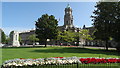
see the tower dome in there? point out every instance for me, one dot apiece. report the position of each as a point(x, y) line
point(68, 7)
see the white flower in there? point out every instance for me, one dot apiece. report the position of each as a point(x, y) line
point(19, 65)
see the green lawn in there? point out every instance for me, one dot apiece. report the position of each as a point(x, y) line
point(41, 52)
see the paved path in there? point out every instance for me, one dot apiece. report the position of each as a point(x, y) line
point(88, 47)
point(100, 47)
point(70, 46)
point(82, 47)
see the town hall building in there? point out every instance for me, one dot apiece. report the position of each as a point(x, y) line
point(68, 25)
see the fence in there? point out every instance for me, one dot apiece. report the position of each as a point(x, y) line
point(76, 65)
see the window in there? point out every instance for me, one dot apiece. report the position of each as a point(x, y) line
point(66, 22)
point(67, 12)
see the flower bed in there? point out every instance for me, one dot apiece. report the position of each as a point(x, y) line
point(100, 60)
point(58, 61)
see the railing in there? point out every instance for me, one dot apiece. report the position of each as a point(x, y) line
point(76, 65)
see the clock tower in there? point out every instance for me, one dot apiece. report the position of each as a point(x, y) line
point(68, 17)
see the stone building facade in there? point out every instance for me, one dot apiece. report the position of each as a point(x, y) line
point(25, 37)
point(15, 37)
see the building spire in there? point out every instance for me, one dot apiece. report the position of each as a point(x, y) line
point(84, 27)
point(68, 5)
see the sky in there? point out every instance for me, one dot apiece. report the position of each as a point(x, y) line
point(21, 16)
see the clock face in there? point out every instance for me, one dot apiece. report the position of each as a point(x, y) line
point(67, 12)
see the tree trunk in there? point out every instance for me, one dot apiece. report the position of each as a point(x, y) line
point(45, 42)
point(118, 47)
point(106, 45)
point(77, 42)
point(33, 43)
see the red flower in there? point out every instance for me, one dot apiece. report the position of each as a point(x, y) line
point(112, 60)
point(21, 58)
point(58, 57)
point(118, 60)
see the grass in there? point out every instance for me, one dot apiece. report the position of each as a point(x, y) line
point(41, 52)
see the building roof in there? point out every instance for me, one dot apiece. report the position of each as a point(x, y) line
point(68, 8)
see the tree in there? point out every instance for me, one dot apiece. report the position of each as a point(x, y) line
point(83, 34)
point(104, 18)
point(66, 36)
point(7, 39)
point(71, 36)
point(20, 39)
point(11, 33)
point(116, 24)
point(33, 38)
point(3, 37)
point(59, 36)
point(46, 28)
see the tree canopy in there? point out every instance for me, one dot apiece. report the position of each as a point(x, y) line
point(3, 37)
point(84, 34)
point(106, 18)
point(67, 36)
point(71, 36)
point(33, 38)
point(46, 27)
